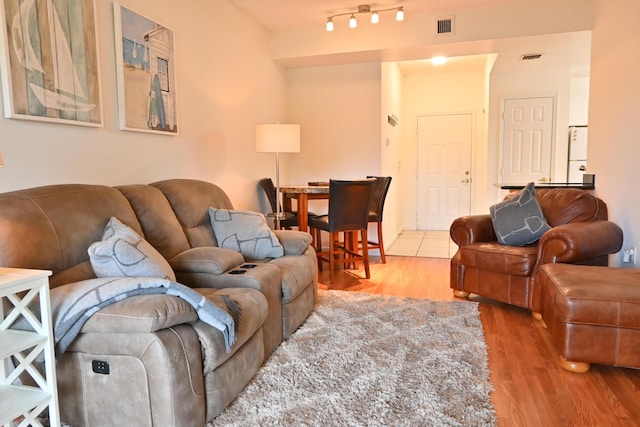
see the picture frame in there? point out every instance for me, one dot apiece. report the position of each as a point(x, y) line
point(50, 68)
point(145, 73)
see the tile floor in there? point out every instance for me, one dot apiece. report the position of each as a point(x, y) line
point(423, 243)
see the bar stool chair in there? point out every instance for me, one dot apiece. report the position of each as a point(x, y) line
point(290, 218)
point(348, 214)
point(376, 207)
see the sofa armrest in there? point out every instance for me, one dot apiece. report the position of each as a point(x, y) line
point(470, 229)
point(206, 259)
point(141, 313)
point(294, 242)
point(579, 241)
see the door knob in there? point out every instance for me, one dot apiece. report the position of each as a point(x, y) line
point(543, 179)
point(465, 181)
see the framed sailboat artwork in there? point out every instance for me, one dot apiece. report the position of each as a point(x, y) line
point(145, 73)
point(50, 68)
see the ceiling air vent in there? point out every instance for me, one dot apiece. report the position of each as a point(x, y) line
point(530, 56)
point(444, 25)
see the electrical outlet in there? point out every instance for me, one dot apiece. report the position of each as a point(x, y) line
point(629, 256)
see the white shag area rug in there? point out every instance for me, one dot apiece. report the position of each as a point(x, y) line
point(373, 360)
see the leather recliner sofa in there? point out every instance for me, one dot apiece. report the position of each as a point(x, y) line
point(580, 234)
point(166, 367)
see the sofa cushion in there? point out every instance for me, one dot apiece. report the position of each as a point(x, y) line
point(190, 200)
point(519, 221)
point(492, 256)
point(123, 252)
point(207, 259)
point(567, 205)
point(245, 232)
point(160, 226)
point(255, 309)
point(297, 272)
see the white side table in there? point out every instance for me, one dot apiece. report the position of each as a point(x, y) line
point(21, 402)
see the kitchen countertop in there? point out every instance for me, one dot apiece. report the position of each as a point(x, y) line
point(580, 185)
point(588, 183)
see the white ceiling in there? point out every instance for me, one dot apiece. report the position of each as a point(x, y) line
point(564, 50)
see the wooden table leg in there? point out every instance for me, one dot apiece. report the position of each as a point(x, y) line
point(303, 211)
point(286, 203)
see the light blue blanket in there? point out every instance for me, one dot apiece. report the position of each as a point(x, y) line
point(73, 304)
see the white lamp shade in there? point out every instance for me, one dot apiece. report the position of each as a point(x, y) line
point(278, 138)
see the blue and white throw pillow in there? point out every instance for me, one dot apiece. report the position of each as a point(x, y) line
point(124, 253)
point(519, 220)
point(245, 232)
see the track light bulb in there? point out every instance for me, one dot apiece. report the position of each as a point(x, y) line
point(329, 24)
point(400, 14)
point(375, 18)
point(352, 22)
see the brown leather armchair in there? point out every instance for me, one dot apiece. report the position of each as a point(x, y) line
point(580, 234)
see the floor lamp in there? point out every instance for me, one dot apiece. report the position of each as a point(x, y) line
point(278, 138)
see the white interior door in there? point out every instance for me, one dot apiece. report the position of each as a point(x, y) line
point(527, 140)
point(444, 170)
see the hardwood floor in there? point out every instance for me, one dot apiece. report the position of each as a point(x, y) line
point(530, 388)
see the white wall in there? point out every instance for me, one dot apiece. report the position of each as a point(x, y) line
point(391, 149)
point(614, 111)
point(226, 84)
point(338, 109)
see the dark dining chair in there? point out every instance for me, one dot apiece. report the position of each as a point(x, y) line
point(348, 214)
point(290, 218)
point(376, 207)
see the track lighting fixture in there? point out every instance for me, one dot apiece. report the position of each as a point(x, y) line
point(365, 8)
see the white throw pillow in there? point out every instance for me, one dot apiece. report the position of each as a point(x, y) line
point(245, 232)
point(123, 252)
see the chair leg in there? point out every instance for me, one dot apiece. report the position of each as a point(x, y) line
point(343, 252)
point(317, 237)
point(332, 259)
point(352, 245)
point(365, 254)
point(380, 244)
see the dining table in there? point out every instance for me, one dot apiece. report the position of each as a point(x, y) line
point(302, 194)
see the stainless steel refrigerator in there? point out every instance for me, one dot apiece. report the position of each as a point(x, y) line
point(577, 154)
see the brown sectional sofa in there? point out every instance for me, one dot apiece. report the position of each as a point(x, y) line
point(166, 367)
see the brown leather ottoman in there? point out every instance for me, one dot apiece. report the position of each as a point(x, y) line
point(592, 314)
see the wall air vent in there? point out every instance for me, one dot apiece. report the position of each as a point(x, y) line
point(444, 25)
point(530, 56)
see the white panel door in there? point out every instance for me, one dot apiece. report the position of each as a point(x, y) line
point(444, 170)
point(527, 140)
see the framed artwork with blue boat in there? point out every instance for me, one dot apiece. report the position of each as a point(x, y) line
point(50, 69)
point(145, 73)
